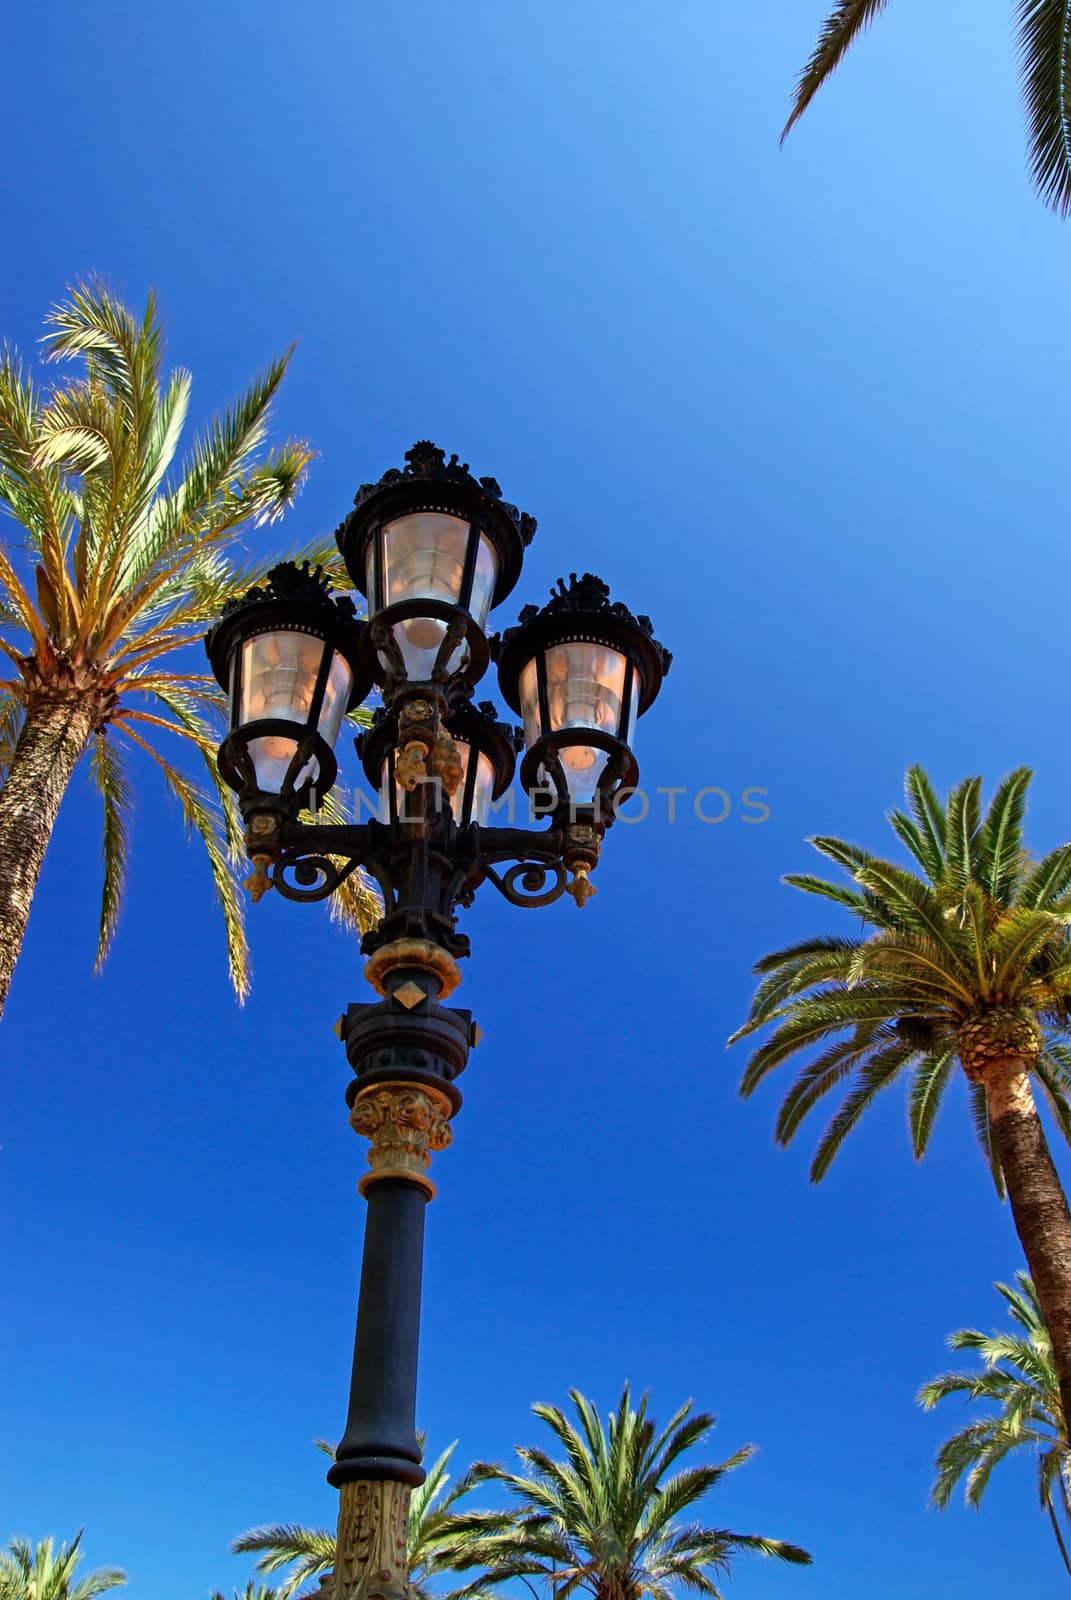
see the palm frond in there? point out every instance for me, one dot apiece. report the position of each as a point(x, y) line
point(1048, 881)
point(200, 819)
point(111, 778)
point(847, 20)
point(1001, 844)
point(307, 1552)
point(41, 1572)
point(1044, 44)
point(962, 840)
point(878, 1072)
point(929, 814)
point(983, 1130)
point(1017, 1379)
point(927, 1088)
point(605, 1517)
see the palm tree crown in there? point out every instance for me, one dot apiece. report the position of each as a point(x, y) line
point(41, 1572)
point(977, 945)
point(127, 555)
point(1018, 1377)
point(1044, 49)
point(605, 1519)
point(309, 1553)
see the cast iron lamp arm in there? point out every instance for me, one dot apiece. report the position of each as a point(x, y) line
point(307, 861)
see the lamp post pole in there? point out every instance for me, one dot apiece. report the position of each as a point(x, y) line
point(406, 1050)
point(432, 548)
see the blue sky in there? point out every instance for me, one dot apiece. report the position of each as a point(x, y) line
point(806, 407)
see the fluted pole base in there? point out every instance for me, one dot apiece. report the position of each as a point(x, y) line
point(371, 1548)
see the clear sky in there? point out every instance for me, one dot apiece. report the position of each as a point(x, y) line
point(806, 407)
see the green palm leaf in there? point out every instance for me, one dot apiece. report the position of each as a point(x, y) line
point(1002, 836)
point(847, 20)
point(110, 776)
point(41, 1572)
point(604, 1517)
point(1017, 1378)
point(927, 1088)
point(1045, 60)
point(1044, 51)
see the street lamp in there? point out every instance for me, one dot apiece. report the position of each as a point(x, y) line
point(432, 549)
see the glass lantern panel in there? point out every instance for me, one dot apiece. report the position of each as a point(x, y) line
point(336, 698)
point(271, 759)
point(424, 557)
point(528, 687)
point(483, 793)
point(484, 577)
point(278, 676)
point(582, 766)
point(585, 687)
point(418, 639)
point(483, 789)
point(388, 794)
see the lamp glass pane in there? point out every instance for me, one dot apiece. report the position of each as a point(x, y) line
point(528, 688)
point(336, 698)
point(585, 687)
point(279, 676)
point(483, 793)
point(424, 557)
point(582, 766)
point(278, 679)
point(418, 639)
point(271, 759)
point(484, 577)
point(484, 787)
point(386, 791)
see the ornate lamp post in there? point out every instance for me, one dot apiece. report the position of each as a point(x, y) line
point(432, 549)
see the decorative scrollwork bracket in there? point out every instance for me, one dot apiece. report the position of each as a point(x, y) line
point(525, 884)
point(315, 877)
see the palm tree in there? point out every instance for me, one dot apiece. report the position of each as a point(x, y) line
point(1019, 1377)
point(1044, 49)
point(124, 561)
point(605, 1520)
point(252, 1591)
point(969, 962)
point(29, 1572)
point(310, 1552)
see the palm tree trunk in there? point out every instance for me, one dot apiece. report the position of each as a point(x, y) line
point(53, 737)
point(1039, 1205)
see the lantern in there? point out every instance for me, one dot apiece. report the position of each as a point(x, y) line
point(289, 656)
point(580, 671)
point(433, 549)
